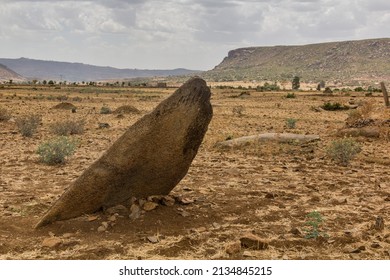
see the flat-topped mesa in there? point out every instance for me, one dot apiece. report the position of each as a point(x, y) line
point(150, 158)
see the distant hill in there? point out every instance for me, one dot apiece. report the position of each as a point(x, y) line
point(76, 72)
point(347, 62)
point(7, 74)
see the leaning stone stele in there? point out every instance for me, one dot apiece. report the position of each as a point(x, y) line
point(150, 158)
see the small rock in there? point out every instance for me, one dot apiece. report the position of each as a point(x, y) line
point(135, 212)
point(184, 213)
point(153, 239)
point(51, 242)
point(295, 231)
point(217, 256)
point(252, 241)
point(141, 202)
point(67, 235)
point(233, 248)
point(271, 195)
point(375, 245)
point(379, 223)
point(149, 206)
point(247, 254)
point(112, 218)
point(358, 249)
point(202, 229)
point(92, 218)
point(118, 209)
point(168, 201)
point(103, 125)
point(185, 200)
point(101, 229)
point(216, 226)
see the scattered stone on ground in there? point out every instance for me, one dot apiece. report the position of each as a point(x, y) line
point(149, 206)
point(51, 242)
point(264, 137)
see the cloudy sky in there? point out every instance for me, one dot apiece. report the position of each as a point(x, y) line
point(166, 34)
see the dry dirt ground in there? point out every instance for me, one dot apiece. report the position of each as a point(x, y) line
point(264, 189)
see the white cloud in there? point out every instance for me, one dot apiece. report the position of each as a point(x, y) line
point(177, 33)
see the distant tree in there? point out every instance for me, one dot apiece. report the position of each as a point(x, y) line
point(319, 87)
point(296, 83)
point(10, 82)
point(44, 82)
point(51, 82)
point(322, 84)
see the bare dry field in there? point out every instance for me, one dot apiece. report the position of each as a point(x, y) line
point(265, 189)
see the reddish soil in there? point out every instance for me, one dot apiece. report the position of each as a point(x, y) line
point(265, 189)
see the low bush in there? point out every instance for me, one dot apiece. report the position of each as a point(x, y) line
point(68, 127)
point(328, 106)
point(4, 115)
point(105, 110)
point(28, 125)
point(343, 151)
point(238, 110)
point(56, 150)
point(290, 95)
point(291, 123)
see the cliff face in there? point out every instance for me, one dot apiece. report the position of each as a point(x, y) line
point(348, 61)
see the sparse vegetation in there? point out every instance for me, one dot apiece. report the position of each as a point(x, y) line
point(291, 123)
point(5, 115)
point(328, 91)
point(28, 125)
point(268, 87)
point(343, 151)
point(238, 111)
point(313, 223)
point(69, 127)
point(328, 106)
point(105, 110)
point(363, 113)
point(56, 150)
point(290, 95)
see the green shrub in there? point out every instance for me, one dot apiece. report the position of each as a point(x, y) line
point(68, 127)
point(328, 91)
point(328, 106)
point(359, 89)
point(4, 115)
point(314, 221)
point(290, 95)
point(56, 150)
point(105, 110)
point(28, 125)
point(268, 87)
point(290, 123)
point(343, 151)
